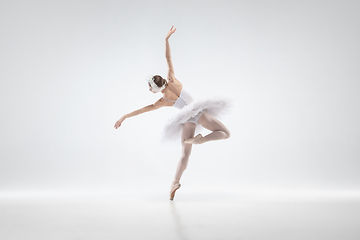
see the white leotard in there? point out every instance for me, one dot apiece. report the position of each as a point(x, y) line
point(183, 100)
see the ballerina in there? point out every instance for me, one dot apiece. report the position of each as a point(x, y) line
point(192, 113)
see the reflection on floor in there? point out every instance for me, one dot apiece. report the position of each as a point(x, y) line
point(245, 215)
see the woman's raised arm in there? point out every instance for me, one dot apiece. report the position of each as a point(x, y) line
point(171, 73)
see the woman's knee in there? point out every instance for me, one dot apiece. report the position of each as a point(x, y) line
point(185, 155)
point(227, 132)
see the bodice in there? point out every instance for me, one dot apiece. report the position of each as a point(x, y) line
point(183, 100)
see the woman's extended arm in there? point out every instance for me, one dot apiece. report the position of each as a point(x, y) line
point(171, 73)
point(158, 104)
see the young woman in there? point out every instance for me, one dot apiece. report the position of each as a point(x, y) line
point(191, 114)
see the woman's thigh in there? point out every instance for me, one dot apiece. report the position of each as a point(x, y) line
point(211, 123)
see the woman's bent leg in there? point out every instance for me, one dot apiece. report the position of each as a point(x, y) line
point(219, 131)
point(187, 132)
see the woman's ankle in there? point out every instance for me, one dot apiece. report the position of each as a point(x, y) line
point(175, 181)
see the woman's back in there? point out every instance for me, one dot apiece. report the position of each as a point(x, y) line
point(173, 90)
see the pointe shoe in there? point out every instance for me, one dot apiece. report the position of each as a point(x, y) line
point(194, 140)
point(174, 187)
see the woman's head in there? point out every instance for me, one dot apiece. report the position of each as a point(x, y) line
point(156, 83)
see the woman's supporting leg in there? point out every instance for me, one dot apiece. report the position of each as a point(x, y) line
point(187, 132)
point(219, 131)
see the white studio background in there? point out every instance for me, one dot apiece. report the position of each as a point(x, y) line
point(70, 69)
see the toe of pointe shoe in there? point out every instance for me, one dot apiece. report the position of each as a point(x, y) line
point(175, 187)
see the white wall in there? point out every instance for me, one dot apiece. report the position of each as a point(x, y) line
point(70, 69)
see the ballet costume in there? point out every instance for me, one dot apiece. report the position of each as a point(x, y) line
point(191, 111)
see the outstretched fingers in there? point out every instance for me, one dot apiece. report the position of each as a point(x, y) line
point(172, 29)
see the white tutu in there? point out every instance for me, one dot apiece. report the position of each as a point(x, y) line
point(215, 106)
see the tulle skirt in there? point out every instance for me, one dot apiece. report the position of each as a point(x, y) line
point(216, 107)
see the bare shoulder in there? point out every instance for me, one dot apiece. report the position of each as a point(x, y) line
point(173, 80)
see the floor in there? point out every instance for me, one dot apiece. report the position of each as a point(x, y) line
point(192, 215)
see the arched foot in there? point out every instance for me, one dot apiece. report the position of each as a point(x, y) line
point(174, 187)
point(195, 140)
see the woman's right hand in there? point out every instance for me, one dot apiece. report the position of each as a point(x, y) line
point(169, 33)
point(118, 123)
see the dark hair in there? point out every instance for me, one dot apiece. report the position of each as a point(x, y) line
point(159, 81)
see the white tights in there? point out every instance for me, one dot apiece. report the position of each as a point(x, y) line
point(219, 131)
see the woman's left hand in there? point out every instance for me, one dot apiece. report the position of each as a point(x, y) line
point(118, 123)
point(172, 30)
